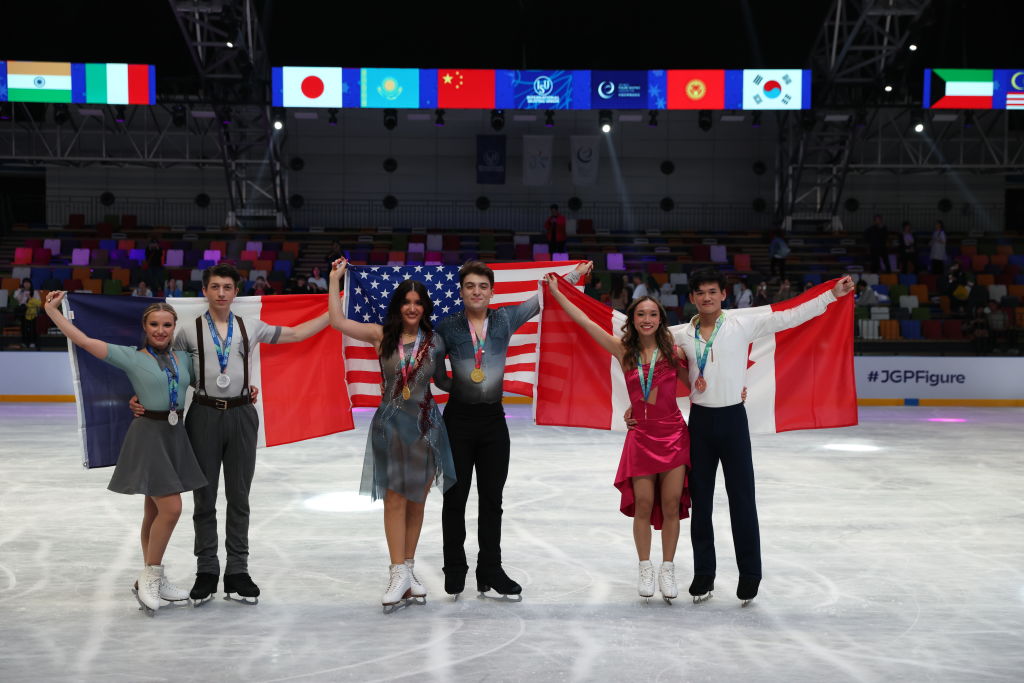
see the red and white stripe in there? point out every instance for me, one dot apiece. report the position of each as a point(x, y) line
point(1015, 100)
point(514, 283)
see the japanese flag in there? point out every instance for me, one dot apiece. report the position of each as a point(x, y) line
point(307, 86)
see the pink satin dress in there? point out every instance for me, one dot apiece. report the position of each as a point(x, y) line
point(659, 443)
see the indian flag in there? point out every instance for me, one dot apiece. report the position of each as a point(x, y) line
point(38, 81)
point(117, 84)
point(959, 88)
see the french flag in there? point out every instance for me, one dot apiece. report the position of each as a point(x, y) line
point(801, 378)
point(302, 386)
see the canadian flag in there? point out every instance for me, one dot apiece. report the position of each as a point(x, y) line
point(801, 378)
point(307, 86)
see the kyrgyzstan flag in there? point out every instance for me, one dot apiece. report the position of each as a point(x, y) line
point(696, 88)
point(302, 386)
point(465, 88)
point(801, 378)
point(306, 86)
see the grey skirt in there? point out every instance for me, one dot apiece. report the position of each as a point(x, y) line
point(156, 459)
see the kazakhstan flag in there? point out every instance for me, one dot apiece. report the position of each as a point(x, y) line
point(390, 88)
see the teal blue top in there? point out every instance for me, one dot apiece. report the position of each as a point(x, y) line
point(148, 380)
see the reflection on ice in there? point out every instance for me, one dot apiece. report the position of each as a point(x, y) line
point(342, 501)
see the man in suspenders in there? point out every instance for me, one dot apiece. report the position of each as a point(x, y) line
point(222, 425)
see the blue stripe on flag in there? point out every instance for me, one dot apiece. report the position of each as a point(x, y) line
point(926, 101)
point(428, 88)
point(805, 82)
point(105, 390)
point(734, 89)
point(152, 83)
point(277, 86)
point(78, 82)
point(3, 81)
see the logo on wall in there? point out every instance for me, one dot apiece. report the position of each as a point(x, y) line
point(390, 89)
point(542, 85)
point(605, 90)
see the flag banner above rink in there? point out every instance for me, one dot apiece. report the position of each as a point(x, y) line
point(973, 89)
point(76, 82)
point(459, 88)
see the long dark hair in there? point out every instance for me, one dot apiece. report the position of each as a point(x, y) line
point(393, 318)
point(631, 338)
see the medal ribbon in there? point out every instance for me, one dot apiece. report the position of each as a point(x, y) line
point(405, 364)
point(478, 346)
point(172, 378)
point(222, 351)
point(702, 359)
point(646, 387)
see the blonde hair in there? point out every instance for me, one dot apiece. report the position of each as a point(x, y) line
point(161, 306)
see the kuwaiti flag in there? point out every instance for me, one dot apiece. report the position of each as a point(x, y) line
point(302, 385)
point(36, 81)
point(801, 378)
point(958, 88)
point(307, 86)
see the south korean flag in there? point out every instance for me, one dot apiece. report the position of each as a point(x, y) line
point(773, 89)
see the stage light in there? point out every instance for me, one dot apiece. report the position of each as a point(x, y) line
point(278, 118)
point(497, 119)
point(913, 47)
point(332, 117)
point(919, 128)
point(60, 114)
point(704, 120)
point(119, 113)
point(229, 44)
point(917, 121)
point(439, 117)
point(549, 119)
point(604, 119)
point(888, 88)
point(390, 119)
point(178, 115)
point(652, 118)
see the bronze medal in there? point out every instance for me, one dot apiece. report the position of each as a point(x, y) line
point(406, 393)
point(477, 375)
point(701, 384)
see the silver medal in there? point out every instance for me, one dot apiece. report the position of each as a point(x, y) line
point(223, 381)
point(172, 417)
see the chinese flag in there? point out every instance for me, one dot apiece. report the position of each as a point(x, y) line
point(465, 88)
point(696, 89)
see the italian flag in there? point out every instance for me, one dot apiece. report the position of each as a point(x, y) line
point(959, 88)
point(116, 83)
point(801, 378)
point(38, 81)
point(303, 393)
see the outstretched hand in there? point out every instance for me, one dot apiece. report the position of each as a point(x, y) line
point(338, 269)
point(552, 280)
point(53, 300)
point(843, 287)
point(585, 267)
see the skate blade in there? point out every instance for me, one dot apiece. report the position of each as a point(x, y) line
point(196, 602)
point(667, 599)
point(500, 597)
point(697, 599)
point(395, 606)
point(242, 599)
point(150, 612)
point(184, 602)
point(744, 603)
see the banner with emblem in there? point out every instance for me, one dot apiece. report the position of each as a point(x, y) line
point(768, 89)
point(389, 88)
point(490, 159)
point(695, 88)
point(534, 89)
point(537, 159)
point(1009, 88)
point(618, 90)
point(585, 158)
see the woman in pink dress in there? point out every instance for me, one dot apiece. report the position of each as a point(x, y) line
point(656, 455)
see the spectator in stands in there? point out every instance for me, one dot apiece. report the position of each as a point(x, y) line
point(317, 280)
point(907, 250)
point(554, 229)
point(865, 296)
point(977, 297)
point(998, 324)
point(938, 249)
point(595, 289)
point(639, 288)
point(653, 290)
point(761, 295)
point(957, 290)
point(618, 296)
point(336, 252)
point(298, 285)
point(172, 288)
point(976, 330)
point(142, 289)
point(778, 250)
point(154, 255)
point(28, 310)
point(784, 292)
point(876, 236)
point(744, 297)
point(808, 285)
point(261, 288)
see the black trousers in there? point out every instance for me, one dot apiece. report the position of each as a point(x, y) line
point(479, 438)
point(722, 435)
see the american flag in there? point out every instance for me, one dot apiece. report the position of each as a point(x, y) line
point(368, 290)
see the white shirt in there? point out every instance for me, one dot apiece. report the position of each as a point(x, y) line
point(726, 369)
point(745, 299)
point(938, 251)
point(641, 290)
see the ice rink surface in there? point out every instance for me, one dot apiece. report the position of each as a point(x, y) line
point(892, 551)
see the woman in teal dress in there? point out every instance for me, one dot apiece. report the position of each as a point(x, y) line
point(156, 459)
point(407, 449)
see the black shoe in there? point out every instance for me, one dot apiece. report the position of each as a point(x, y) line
point(498, 580)
point(746, 589)
point(204, 587)
point(702, 586)
point(455, 579)
point(242, 585)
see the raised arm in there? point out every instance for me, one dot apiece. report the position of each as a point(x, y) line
point(302, 331)
point(784, 320)
point(608, 341)
point(371, 333)
point(78, 338)
point(528, 309)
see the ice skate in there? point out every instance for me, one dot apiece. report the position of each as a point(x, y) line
point(240, 585)
point(417, 592)
point(171, 593)
point(203, 589)
point(398, 586)
point(702, 588)
point(746, 589)
point(645, 585)
point(147, 589)
point(455, 581)
point(667, 582)
point(496, 579)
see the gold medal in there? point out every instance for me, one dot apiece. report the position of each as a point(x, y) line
point(477, 375)
point(406, 393)
point(701, 384)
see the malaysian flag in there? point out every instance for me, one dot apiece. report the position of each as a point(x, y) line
point(368, 290)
